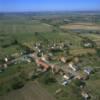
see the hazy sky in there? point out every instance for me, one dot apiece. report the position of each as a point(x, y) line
point(48, 5)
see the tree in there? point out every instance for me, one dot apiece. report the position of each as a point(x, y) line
point(98, 52)
point(17, 83)
point(48, 78)
point(78, 82)
point(15, 42)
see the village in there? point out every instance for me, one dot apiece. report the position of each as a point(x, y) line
point(54, 58)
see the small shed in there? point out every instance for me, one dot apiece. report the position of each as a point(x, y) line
point(88, 70)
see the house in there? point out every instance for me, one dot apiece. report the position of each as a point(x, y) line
point(76, 60)
point(6, 59)
point(85, 95)
point(88, 70)
point(68, 76)
point(58, 91)
point(87, 45)
point(65, 82)
point(73, 67)
point(43, 64)
point(5, 65)
point(82, 76)
point(56, 48)
point(63, 59)
point(44, 58)
point(32, 55)
point(55, 68)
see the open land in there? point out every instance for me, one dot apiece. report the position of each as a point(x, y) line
point(38, 51)
point(82, 26)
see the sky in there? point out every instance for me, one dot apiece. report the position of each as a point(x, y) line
point(49, 5)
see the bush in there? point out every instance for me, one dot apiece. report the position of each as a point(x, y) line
point(48, 78)
point(17, 83)
point(34, 76)
point(23, 75)
point(98, 52)
point(78, 82)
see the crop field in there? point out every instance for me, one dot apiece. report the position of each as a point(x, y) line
point(82, 51)
point(82, 26)
point(24, 28)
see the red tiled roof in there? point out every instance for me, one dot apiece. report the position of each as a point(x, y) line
point(43, 64)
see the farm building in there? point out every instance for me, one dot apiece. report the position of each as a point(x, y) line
point(63, 59)
point(85, 95)
point(88, 70)
point(67, 76)
point(73, 67)
point(43, 64)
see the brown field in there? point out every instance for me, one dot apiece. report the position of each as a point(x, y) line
point(82, 51)
point(31, 91)
point(83, 26)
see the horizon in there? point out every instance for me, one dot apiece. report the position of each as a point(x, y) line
point(49, 5)
point(82, 11)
